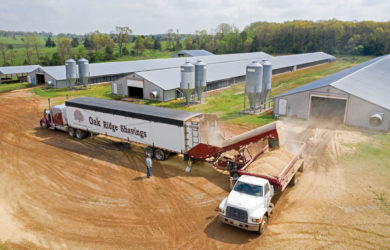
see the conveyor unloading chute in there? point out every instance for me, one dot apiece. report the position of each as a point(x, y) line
point(206, 150)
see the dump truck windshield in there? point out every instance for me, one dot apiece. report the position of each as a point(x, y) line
point(248, 189)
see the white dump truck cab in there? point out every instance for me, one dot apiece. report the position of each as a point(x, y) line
point(248, 205)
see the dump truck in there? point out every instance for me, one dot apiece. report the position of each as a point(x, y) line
point(163, 131)
point(254, 182)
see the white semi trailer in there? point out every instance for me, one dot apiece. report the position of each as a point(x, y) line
point(162, 130)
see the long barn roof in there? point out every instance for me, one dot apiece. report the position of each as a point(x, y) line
point(127, 67)
point(170, 78)
point(369, 81)
point(194, 52)
point(12, 70)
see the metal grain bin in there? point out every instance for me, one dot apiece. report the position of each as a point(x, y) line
point(187, 79)
point(200, 77)
point(253, 86)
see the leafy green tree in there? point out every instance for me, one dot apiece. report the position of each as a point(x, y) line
point(123, 37)
point(4, 53)
point(157, 44)
point(149, 42)
point(49, 43)
point(188, 42)
point(56, 59)
point(81, 52)
point(139, 45)
point(108, 53)
point(87, 42)
point(37, 46)
point(75, 42)
point(64, 48)
point(27, 42)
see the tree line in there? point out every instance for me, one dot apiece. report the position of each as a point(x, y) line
point(332, 36)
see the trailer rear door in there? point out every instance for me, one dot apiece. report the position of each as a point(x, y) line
point(192, 134)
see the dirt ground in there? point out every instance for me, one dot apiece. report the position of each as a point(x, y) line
point(57, 192)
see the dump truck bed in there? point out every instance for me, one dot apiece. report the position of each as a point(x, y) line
point(278, 166)
point(271, 163)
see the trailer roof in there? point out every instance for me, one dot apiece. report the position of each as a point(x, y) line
point(144, 112)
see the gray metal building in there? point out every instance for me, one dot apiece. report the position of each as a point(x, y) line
point(21, 72)
point(220, 74)
point(358, 96)
point(192, 53)
point(112, 71)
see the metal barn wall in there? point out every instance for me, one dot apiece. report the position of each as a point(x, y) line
point(359, 112)
point(61, 84)
point(224, 83)
point(169, 94)
point(105, 78)
point(149, 87)
point(298, 103)
point(121, 84)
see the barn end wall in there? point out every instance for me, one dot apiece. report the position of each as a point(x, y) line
point(121, 84)
point(149, 87)
point(359, 112)
point(298, 104)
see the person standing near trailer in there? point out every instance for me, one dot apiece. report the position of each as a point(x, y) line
point(148, 165)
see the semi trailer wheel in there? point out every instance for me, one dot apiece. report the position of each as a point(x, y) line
point(263, 225)
point(80, 134)
point(71, 132)
point(159, 154)
point(43, 124)
point(149, 151)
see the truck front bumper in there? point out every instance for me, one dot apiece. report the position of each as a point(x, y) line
point(239, 224)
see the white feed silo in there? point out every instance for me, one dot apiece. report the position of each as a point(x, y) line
point(71, 71)
point(267, 80)
point(187, 80)
point(200, 78)
point(253, 85)
point(83, 71)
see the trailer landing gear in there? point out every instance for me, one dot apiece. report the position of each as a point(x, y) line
point(149, 151)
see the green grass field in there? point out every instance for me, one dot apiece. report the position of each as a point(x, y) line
point(372, 157)
point(20, 53)
point(102, 91)
point(12, 86)
point(226, 103)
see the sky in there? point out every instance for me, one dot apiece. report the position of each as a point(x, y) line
point(157, 16)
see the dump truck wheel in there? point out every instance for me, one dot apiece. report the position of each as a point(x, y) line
point(301, 167)
point(43, 124)
point(71, 132)
point(80, 134)
point(293, 180)
point(263, 225)
point(159, 154)
point(149, 151)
